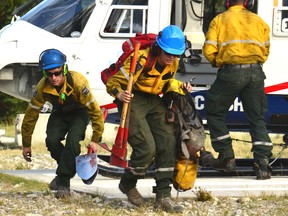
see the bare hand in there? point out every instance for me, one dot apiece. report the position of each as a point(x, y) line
point(187, 85)
point(125, 96)
point(27, 153)
point(94, 146)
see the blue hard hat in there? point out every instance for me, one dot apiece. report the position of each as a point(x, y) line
point(51, 58)
point(172, 40)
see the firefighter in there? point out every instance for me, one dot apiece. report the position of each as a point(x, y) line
point(68, 95)
point(150, 136)
point(237, 42)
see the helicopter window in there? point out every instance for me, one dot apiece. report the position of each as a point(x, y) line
point(280, 19)
point(284, 17)
point(126, 18)
point(65, 18)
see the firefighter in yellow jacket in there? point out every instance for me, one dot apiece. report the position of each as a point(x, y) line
point(68, 95)
point(237, 42)
point(150, 136)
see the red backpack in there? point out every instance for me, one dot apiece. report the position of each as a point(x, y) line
point(146, 41)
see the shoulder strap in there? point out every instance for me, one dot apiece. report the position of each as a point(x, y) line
point(69, 78)
point(190, 100)
point(196, 114)
point(149, 62)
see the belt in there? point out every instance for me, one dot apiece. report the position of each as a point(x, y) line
point(144, 94)
point(241, 66)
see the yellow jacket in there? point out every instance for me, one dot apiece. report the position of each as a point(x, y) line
point(151, 82)
point(79, 96)
point(237, 36)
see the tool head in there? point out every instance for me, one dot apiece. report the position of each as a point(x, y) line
point(86, 167)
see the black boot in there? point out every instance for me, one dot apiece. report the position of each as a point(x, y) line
point(206, 159)
point(166, 204)
point(226, 165)
point(262, 169)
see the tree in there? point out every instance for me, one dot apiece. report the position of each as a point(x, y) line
point(9, 106)
point(6, 10)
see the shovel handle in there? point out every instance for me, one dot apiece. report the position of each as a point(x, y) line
point(90, 150)
point(130, 82)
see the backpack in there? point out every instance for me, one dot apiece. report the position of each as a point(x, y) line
point(189, 129)
point(146, 41)
point(190, 135)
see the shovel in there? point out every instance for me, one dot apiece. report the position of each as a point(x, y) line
point(86, 166)
point(119, 148)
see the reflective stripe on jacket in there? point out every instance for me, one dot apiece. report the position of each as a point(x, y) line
point(237, 36)
point(80, 93)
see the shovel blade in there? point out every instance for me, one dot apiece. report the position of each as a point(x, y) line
point(86, 165)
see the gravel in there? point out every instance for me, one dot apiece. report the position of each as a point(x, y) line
point(37, 203)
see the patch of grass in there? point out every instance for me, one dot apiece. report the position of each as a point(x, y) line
point(22, 166)
point(271, 197)
point(242, 145)
point(9, 129)
point(11, 183)
point(241, 142)
point(202, 194)
point(40, 147)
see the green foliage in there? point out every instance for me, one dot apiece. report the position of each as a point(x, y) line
point(9, 108)
point(6, 9)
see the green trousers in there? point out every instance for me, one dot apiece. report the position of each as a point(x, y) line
point(71, 125)
point(152, 140)
point(248, 84)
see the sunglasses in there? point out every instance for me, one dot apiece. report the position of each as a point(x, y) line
point(55, 73)
point(169, 54)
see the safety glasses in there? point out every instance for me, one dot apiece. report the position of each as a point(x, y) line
point(49, 74)
point(169, 54)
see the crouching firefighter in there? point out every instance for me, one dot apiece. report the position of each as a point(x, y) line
point(150, 136)
point(68, 95)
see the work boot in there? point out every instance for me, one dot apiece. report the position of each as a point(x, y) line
point(53, 184)
point(226, 165)
point(63, 192)
point(166, 204)
point(206, 159)
point(132, 194)
point(262, 169)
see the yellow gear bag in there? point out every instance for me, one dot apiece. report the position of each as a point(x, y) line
point(185, 173)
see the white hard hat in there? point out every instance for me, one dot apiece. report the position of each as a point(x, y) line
point(86, 166)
